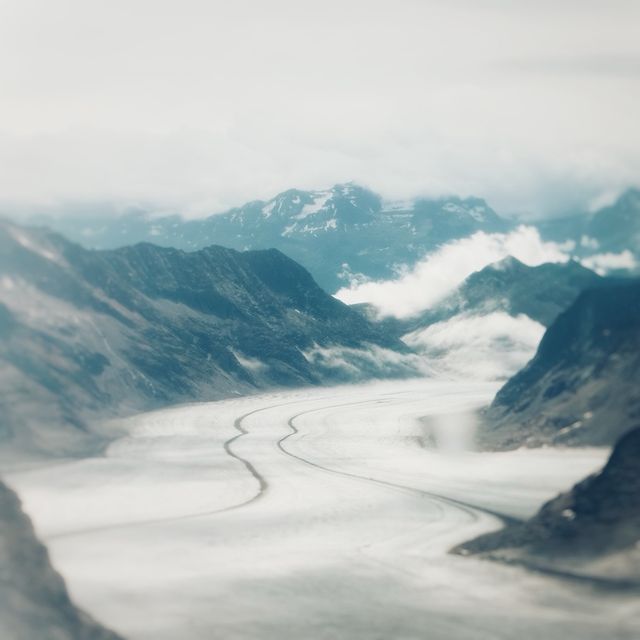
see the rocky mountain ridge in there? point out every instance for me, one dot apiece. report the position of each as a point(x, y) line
point(582, 387)
point(334, 233)
point(590, 531)
point(84, 332)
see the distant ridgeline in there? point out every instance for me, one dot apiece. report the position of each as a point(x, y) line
point(348, 229)
point(86, 333)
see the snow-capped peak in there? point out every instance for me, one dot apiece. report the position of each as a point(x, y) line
point(319, 202)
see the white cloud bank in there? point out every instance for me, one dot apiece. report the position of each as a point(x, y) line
point(443, 270)
point(601, 263)
point(200, 105)
point(491, 347)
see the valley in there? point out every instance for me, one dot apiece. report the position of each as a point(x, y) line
point(316, 513)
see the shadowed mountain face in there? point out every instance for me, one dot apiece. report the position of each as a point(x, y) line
point(582, 387)
point(87, 331)
point(34, 603)
point(541, 292)
point(594, 526)
point(333, 233)
point(490, 326)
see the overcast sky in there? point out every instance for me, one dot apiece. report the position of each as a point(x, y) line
point(198, 105)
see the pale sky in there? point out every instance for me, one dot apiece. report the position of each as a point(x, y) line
point(199, 105)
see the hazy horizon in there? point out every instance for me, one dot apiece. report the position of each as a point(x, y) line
point(196, 107)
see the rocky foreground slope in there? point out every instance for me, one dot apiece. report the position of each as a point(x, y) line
point(88, 333)
point(592, 530)
point(34, 602)
point(583, 385)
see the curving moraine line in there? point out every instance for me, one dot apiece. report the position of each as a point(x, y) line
point(262, 488)
point(470, 509)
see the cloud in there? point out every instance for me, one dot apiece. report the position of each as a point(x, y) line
point(443, 270)
point(348, 364)
point(603, 262)
point(491, 347)
point(599, 64)
point(199, 105)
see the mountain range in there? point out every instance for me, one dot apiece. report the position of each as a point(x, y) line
point(582, 387)
point(349, 231)
point(334, 233)
point(85, 332)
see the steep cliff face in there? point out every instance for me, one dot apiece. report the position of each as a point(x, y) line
point(34, 602)
point(582, 386)
point(592, 529)
point(90, 333)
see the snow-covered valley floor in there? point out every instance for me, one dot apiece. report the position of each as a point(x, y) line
point(312, 514)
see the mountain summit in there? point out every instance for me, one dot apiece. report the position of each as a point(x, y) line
point(336, 232)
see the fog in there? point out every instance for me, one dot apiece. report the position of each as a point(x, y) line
point(196, 106)
point(441, 271)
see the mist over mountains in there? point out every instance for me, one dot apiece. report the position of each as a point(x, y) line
point(490, 326)
point(298, 297)
point(611, 230)
point(87, 334)
point(343, 230)
point(147, 324)
point(349, 233)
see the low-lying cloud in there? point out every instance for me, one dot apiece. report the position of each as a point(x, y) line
point(440, 272)
point(490, 347)
point(601, 263)
point(346, 364)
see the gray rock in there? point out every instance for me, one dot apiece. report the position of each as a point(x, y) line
point(593, 530)
point(34, 602)
point(583, 385)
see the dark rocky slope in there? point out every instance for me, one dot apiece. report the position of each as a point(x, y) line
point(592, 530)
point(583, 385)
point(34, 602)
point(540, 292)
point(91, 333)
